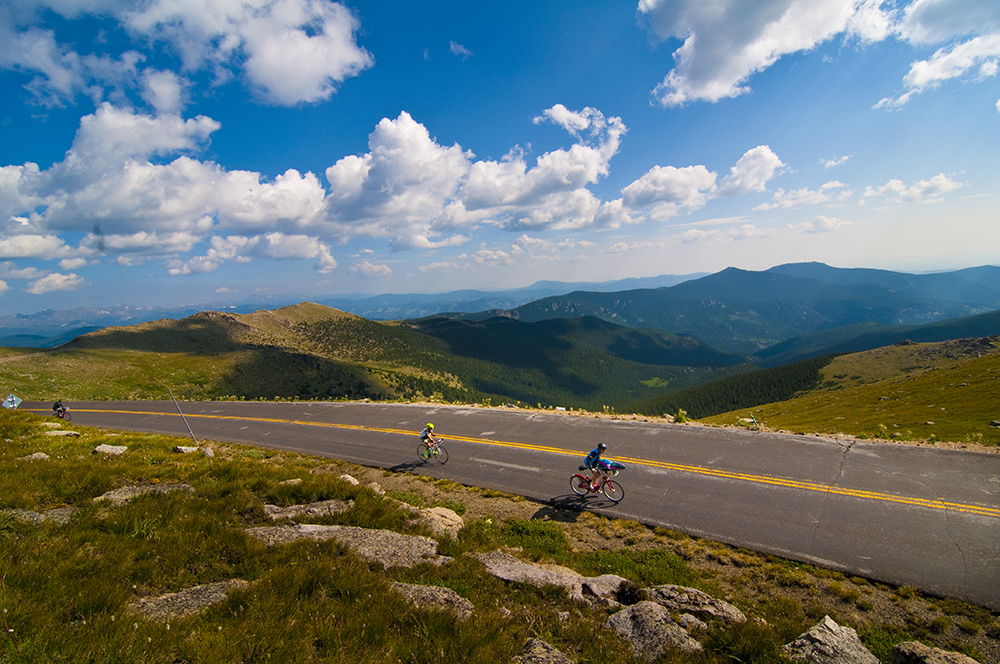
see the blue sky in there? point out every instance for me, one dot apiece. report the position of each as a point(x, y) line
point(170, 152)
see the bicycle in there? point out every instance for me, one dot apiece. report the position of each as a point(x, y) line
point(427, 450)
point(63, 414)
point(611, 489)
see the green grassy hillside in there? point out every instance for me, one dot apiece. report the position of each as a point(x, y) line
point(309, 351)
point(946, 391)
point(69, 587)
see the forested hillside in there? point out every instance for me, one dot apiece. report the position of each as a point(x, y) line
point(745, 312)
point(309, 351)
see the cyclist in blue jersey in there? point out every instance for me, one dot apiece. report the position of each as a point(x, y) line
point(593, 462)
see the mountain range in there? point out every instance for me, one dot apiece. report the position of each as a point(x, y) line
point(783, 315)
point(50, 328)
point(747, 313)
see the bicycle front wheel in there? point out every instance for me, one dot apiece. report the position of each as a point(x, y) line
point(580, 485)
point(423, 452)
point(66, 416)
point(613, 490)
point(441, 455)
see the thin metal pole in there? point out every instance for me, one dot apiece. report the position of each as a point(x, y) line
point(182, 416)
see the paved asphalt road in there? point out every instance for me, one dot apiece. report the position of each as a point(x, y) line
point(904, 515)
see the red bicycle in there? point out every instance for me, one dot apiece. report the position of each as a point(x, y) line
point(611, 489)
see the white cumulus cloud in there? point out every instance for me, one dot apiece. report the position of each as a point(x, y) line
point(922, 191)
point(55, 282)
point(289, 51)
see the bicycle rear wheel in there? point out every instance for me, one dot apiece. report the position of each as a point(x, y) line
point(580, 485)
point(423, 452)
point(613, 490)
point(441, 455)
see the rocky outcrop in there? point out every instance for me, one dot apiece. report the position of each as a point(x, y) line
point(435, 597)
point(598, 589)
point(690, 600)
point(830, 643)
point(60, 515)
point(127, 493)
point(537, 651)
point(62, 434)
point(651, 631)
point(914, 652)
point(384, 546)
point(186, 602)
point(310, 510)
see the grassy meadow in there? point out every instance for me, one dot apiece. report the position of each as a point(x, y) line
point(65, 589)
point(946, 391)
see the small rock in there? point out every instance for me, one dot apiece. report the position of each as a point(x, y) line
point(185, 450)
point(379, 491)
point(113, 450)
point(537, 651)
point(436, 597)
point(292, 482)
point(689, 622)
point(37, 456)
point(350, 480)
point(127, 493)
point(443, 521)
point(63, 434)
point(829, 643)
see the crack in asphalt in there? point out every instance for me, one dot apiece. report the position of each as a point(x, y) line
point(826, 497)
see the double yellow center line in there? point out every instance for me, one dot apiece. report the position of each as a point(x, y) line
point(981, 510)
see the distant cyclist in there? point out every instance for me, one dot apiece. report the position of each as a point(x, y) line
point(58, 407)
point(427, 435)
point(593, 461)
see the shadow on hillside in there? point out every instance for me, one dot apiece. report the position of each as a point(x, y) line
point(558, 514)
point(573, 503)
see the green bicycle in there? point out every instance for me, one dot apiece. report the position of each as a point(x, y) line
point(428, 450)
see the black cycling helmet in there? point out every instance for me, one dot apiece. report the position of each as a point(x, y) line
point(602, 447)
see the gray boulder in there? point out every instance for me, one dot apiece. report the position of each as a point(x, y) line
point(186, 602)
point(384, 546)
point(436, 597)
point(127, 493)
point(322, 508)
point(110, 450)
point(59, 515)
point(651, 631)
point(537, 651)
point(62, 434)
point(830, 643)
point(914, 652)
point(691, 600)
point(599, 589)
